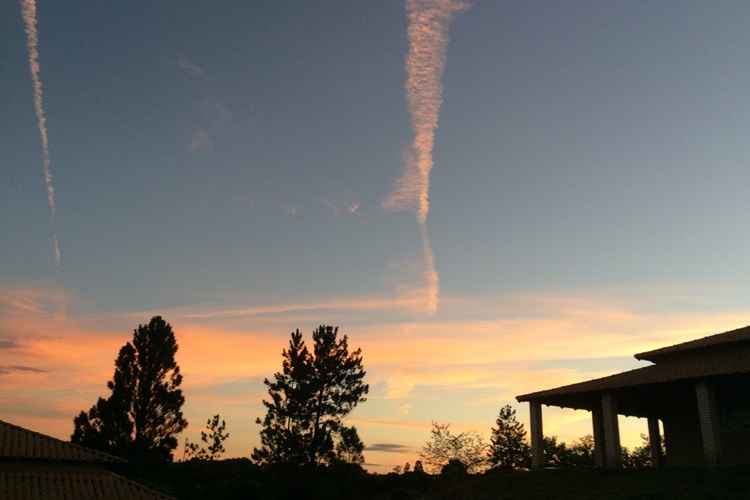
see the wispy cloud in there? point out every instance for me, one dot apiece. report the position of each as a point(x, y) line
point(190, 67)
point(28, 12)
point(388, 447)
point(8, 344)
point(5, 370)
point(291, 210)
point(200, 141)
point(365, 303)
point(428, 25)
point(342, 204)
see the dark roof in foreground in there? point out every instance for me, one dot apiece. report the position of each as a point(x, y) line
point(69, 482)
point(34, 466)
point(19, 443)
point(719, 339)
point(727, 363)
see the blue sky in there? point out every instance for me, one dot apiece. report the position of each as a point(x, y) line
point(214, 157)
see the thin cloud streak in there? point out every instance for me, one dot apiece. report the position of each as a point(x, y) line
point(431, 278)
point(28, 12)
point(429, 22)
point(357, 304)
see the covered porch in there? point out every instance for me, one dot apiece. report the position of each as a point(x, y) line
point(700, 406)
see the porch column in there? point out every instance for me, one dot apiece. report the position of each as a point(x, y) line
point(598, 425)
point(654, 441)
point(611, 428)
point(537, 435)
point(709, 421)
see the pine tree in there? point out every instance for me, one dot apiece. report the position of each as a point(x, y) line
point(508, 447)
point(309, 399)
point(143, 413)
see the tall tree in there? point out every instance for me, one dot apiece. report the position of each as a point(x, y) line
point(143, 413)
point(309, 400)
point(508, 447)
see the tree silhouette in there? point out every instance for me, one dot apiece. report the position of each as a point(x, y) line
point(555, 453)
point(349, 447)
point(213, 441)
point(310, 397)
point(581, 452)
point(142, 415)
point(508, 447)
point(444, 447)
point(640, 457)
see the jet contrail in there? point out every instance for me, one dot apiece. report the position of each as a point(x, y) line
point(428, 24)
point(28, 11)
point(430, 276)
point(428, 21)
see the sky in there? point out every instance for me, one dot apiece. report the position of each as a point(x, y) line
point(488, 197)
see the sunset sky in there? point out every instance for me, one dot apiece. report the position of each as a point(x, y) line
point(247, 168)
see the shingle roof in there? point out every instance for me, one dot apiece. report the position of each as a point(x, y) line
point(727, 363)
point(19, 443)
point(78, 483)
point(720, 339)
point(35, 467)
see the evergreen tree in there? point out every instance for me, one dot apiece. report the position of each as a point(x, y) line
point(143, 413)
point(508, 447)
point(309, 399)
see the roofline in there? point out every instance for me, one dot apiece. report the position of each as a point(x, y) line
point(105, 457)
point(689, 345)
point(547, 392)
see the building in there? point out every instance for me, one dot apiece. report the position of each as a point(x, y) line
point(35, 467)
point(699, 390)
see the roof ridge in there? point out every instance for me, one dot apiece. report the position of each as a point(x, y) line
point(105, 457)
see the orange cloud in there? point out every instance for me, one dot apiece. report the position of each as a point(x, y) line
point(481, 362)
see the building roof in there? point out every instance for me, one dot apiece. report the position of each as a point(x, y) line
point(19, 443)
point(717, 340)
point(65, 482)
point(34, 466)
point(725, 363)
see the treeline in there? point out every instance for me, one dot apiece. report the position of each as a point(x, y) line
point(307, 403)
point(508, 450)
point(304, 425)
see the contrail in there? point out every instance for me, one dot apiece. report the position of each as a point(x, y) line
point(28, 11)
point(428, 25)
point(428, 22)
point(431, 279)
